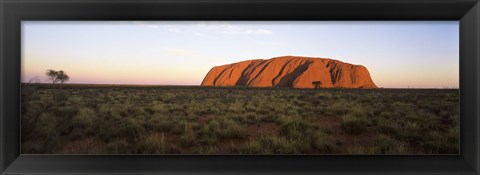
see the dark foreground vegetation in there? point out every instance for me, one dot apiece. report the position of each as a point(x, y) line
point(103, 119)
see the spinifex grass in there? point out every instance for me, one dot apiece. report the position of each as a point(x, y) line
point(109, 119)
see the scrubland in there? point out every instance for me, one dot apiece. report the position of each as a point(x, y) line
point(109, 119)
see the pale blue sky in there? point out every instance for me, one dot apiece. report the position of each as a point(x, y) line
point(420, 54)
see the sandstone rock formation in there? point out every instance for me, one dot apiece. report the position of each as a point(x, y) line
point(290, 71)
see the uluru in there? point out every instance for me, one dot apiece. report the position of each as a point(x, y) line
point(290, 71)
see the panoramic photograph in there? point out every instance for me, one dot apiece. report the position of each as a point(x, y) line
point(240, 87)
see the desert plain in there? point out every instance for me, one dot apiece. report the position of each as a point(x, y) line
point(124, 119)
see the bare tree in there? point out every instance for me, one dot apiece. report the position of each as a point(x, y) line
point(316, 84)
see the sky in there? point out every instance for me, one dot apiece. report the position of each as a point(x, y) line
point(398, 54)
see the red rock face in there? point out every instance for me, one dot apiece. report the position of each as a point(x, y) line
point(290, 71)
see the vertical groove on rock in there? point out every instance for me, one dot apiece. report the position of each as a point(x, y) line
point(290, 71)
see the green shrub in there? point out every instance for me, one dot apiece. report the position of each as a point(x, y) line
point(384, 144)
point(207, 137)
point(108, 110)
point(119, 146)
point(437, 142)
point(236, 108)
point(323, 142)
point(287, 119)
point(354, 125)
point(231, 129)
point(116, 128)
point(214, 125)
point(131, 129)
point(453, 134)
point(36, 107)
point(159, 123)
point(178, 125)
point(45, 125)
point(263, 111)
point(388, 127)
point(60, 98)
point(188, 138)
point(159, 107)
point(251, 118)
point(278, 145)
point(269, 118)
point(84, 118)
point(251, 147)
point(411, 132)
point(226, 128)
point(75, 100)
point(387, 114)
point(153, 144)
point(337, 108)
point(65, 111)
point(296, 129)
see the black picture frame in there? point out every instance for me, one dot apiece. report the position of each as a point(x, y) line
point(14, 11)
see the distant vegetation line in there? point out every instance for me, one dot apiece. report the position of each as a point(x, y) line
point(199, 86)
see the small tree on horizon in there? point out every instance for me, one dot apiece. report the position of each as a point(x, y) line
point(316, 84)
point(52, 75)
point(62, 77)
point(57, 76)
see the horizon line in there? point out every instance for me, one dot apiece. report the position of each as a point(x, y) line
point(125, 84)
